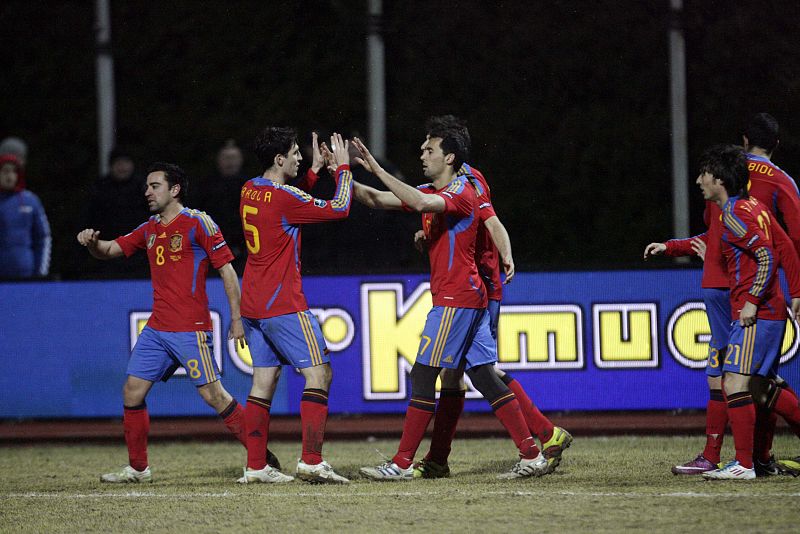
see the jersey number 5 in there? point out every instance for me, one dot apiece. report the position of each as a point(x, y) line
point(255, 246)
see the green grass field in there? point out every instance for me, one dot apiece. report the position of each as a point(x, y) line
point(603, 485)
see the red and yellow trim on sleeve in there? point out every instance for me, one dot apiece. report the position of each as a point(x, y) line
point(209, 226)
point(343, 190)
point(733, 223)
point(765, 262)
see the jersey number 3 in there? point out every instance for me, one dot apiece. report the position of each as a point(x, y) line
point(255, 246)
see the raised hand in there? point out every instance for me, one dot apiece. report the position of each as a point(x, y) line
point(341, 149)
point(330, 159)
point(318, 159)
point(367, 160)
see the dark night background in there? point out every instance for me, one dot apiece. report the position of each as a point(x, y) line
point(567, 102)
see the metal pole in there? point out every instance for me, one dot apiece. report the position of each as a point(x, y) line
point(376, 86)
point(677, 93)
point(104, 72)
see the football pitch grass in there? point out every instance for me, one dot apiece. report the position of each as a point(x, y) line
point(612, 484)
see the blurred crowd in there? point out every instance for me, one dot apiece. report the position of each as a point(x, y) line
point(367, 242)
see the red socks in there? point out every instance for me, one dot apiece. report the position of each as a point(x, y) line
point(233, 417)
point(448, 411)
point(313, 416)
point(136, 423)
point(716, 421)
point(256, 421)
point(418, 414)
point(766, 420)
point(742, 414)
point(538, 424)
point(786, 405)
point(506, 408)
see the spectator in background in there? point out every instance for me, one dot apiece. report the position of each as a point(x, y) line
point(117, 205)
point(24, 230)
point(16, 147)
point(219, 197)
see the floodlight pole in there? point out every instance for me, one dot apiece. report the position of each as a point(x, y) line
point(376, 86)
point(677, 94)
point(104, 80)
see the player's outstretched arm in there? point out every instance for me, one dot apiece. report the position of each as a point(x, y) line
point(503, 243)
point(231, 284)
point(100, 249)
point(410, 196)
point(375, 199)
point(654, 249)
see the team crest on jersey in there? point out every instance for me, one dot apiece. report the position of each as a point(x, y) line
point(320, 203)
point(175, 242)
point(151, 240)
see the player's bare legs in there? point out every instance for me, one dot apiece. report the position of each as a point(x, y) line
point(135, 391)
point(318, 377)
point(215, 396)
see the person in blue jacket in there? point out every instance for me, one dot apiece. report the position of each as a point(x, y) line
point(24, 230)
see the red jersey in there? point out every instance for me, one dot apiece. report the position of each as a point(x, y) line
point(777, 191)
point(715, 270)
point(487, 257)
point(179, 254)
point(749, 253)
point(774, 189)
point(271, 216)
point(451, 235)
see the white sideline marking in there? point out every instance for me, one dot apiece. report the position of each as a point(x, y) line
point(150, 494)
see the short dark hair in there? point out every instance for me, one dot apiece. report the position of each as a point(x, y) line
point(272, 141)
point(762, 131)
point(454, 135)
point(174, 176)
point(729, 164)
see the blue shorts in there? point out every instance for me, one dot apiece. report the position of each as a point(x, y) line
point(756, 349)
point(494, 316)
point(293, 339)
point(718, 311)
point(157, 354)
point(457, 338)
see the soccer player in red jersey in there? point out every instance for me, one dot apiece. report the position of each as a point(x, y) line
point(491, 234)
point(456, 333)
point(279, 327)
point(776, 191)
point(757, 306)
point(180, 243)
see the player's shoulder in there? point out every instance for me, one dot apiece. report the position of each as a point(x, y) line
point(457, 185)
point(201, 219)
point(295, 192)
point(260, 181)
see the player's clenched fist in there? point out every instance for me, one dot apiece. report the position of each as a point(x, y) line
point(89, 237)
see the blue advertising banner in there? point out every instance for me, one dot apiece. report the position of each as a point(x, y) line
point(619, 340)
